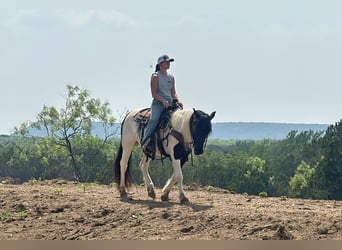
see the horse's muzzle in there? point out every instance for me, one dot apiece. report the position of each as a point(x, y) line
point(198, 151)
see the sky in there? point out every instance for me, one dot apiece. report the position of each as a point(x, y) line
point(248, 60)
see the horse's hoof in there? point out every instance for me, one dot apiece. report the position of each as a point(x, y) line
point(123, 193)
point(165, 197)
point(151, 193)
point(184, 200)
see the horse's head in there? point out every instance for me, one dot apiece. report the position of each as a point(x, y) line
point(200, 126)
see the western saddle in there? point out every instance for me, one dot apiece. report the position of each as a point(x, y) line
point(161, 133)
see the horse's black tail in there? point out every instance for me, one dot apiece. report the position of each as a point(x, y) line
point(117, 165)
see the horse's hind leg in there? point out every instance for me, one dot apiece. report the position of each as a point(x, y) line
point(122, 186)
point(128, 147)
point(144, 164)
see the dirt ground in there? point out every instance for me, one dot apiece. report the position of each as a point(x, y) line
point(57, 209)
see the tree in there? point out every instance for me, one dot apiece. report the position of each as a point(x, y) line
point(300, 182)
point(74, 120)
point(37, 158)
point(331, 165)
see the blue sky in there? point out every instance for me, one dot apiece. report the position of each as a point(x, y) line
point(262, 61)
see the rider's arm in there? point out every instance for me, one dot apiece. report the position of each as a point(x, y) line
point(174, 94)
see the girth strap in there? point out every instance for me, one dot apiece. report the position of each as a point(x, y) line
point(177, 135)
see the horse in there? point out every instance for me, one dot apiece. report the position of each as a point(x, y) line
point(186, 131)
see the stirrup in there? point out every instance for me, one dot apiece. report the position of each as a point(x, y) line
point(148, 151)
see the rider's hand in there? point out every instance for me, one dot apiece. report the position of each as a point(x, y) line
point(166, 104)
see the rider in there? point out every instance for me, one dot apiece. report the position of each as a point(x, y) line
point(163, 92)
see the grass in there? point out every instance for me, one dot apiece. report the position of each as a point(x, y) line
point(60, 191)
point(33, 181)
point(5, 216)
point(138, 217)
point(283, 198)
point(22, 215)
point(263, 194)
point(87, 186)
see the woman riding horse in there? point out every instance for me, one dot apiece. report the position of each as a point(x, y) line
point(188, 130)
point(163, 92)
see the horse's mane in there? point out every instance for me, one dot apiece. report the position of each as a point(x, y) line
point(180, 121)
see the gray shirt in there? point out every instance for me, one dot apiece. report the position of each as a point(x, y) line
point(164, 86)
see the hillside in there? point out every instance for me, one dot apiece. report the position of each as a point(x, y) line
point(260, 130)
point(230, 130)
point(244, 130)
point(62, 210)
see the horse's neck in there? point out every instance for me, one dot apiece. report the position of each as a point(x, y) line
point(180, 121)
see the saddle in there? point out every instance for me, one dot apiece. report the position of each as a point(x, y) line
point(143, 117)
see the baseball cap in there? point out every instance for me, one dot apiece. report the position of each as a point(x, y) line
point(165, 58)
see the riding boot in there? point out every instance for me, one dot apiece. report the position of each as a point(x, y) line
point(149, 148)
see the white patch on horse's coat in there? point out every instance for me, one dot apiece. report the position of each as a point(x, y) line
point(180, 122)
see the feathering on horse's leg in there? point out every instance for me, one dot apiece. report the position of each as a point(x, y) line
point(144, 164)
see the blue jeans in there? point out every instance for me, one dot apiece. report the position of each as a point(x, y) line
point(157, 109)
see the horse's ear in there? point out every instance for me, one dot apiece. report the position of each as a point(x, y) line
point(195, 112)
point(212, 115)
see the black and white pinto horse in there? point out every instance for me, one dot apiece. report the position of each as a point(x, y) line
point(187, 130)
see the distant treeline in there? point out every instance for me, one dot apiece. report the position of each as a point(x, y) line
point(260, 130)
point(229, 130)
point(305, 164)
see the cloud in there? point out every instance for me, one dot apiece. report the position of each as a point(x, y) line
point(111, 18)
point(301, 32)
point(38, 19)
point(22, 18)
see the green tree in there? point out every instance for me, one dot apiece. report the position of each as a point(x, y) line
point(330, 168)
point(71, 122)
point(286, 155)
point(37, 158)
point(95, 158)
point(300, 182)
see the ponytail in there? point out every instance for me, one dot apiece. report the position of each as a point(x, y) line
point(157, 68)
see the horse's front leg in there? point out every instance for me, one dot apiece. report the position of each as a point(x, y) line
point(177, 177)
point(144, 164)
